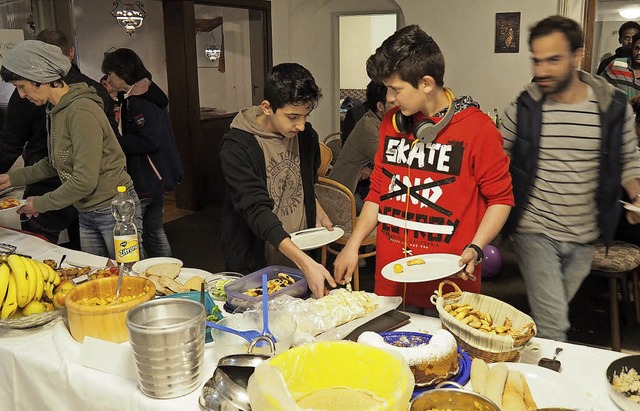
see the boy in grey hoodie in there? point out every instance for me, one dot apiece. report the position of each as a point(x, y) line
point(269, 159)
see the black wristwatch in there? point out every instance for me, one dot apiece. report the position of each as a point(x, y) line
point(478, 250)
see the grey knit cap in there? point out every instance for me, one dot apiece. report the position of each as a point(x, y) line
point(37, 61)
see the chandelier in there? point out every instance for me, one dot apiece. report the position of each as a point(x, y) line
point(213, 51)
point(129, 14)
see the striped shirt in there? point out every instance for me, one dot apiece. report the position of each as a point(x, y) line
point(620, 74)
point(562, 203)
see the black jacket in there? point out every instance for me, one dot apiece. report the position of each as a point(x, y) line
point(620, 52)
point(247, 218)
point(524, 157)
point(25, 130)
point(153, 161)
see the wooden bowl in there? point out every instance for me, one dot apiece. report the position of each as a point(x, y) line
point(107, 322)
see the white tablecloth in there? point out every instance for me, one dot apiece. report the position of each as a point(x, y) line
point(40, 369)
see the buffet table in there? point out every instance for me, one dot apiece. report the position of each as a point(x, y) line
point(41, 368)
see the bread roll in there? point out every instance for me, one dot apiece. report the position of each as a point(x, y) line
point(194, 283)
point(528, 398)
point(174, 286)
point(170, 270)
point(513, 396)
point(479, 373)
point(495, 383)
point(159, 288)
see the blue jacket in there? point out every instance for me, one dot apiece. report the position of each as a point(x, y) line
point(153, 161)
point(524, 157)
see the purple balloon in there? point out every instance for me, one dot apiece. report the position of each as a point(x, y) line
point(492, 262)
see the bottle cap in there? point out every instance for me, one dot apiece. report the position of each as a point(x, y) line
point(122, 189)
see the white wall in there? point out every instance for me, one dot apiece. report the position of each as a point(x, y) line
point(464, 29)
point(304, 32)
point(230, 90)
point(359, 38)
point(97, 31)
point(465, 32)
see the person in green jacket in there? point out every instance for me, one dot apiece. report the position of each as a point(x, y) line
point(83, 150)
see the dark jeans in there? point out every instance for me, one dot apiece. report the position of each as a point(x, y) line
point(96, 230)
point(156, 243)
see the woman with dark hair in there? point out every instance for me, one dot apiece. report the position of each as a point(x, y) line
point(147, 141)
point(82, 147)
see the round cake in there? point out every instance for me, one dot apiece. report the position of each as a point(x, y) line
point(431, 362)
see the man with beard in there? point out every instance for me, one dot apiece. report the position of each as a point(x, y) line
point(571, 139)
point(624, 73)
point(625, 34)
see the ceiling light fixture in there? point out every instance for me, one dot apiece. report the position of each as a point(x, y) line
point(630, 13)
point(129, 14)
point(213, 51)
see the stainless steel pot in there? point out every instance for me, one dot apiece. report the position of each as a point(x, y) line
point(453, 398)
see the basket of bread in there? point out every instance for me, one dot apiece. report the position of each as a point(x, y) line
point(484, 326)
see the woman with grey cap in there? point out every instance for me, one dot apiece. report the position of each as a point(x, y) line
point(83, 150)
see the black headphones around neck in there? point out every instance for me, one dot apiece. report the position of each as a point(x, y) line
point(424, 130)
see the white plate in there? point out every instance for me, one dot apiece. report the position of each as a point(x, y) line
point(551, 389)
point(22, 202)
point(188, 273)
point(630, 207)
point(315, 237)
point(435, 267)
point(141, 266)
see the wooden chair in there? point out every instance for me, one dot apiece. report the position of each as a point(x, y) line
point(325, 159)
point(339, 204)
point(618, 265)
point(334, 142)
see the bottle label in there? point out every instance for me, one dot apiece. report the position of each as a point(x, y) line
point(126, 248)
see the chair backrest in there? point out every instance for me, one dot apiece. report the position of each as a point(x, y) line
point(325, 159)
point(337, 201)
point(334, 142)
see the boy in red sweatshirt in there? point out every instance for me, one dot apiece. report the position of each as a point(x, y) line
point(456, 172)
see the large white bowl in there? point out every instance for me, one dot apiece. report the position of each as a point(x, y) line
point(141, 266)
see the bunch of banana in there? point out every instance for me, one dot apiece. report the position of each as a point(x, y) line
point(25, 286)
point(479, 320)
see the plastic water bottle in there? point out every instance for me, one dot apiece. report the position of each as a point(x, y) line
point(125, 234)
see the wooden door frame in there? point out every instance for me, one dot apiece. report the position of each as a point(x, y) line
point(182, 80)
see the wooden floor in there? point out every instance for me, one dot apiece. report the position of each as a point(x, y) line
point(171, 211)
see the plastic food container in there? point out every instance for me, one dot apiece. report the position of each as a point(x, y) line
point(234, 290)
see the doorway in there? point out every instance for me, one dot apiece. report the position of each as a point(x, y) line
point(358, 37)
point(221, 88)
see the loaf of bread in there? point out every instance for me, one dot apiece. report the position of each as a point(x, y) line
point(169, 270)
point(528, 397)
point(479, 373)
point(496, 380)
point(513, 396)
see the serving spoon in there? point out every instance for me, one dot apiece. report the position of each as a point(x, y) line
point(248, 335)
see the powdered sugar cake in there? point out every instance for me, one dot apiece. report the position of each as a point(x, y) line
point(432, 359)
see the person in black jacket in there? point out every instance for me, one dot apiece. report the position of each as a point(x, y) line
point(269, 160)
point(25, 133)
point(148, 142)
point(625, 35)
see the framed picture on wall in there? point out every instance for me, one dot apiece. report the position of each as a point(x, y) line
point(507, 33)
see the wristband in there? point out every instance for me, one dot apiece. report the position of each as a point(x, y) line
point(478, 250)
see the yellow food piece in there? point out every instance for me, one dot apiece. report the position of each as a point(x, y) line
point(398, 268)
point(415, 261)
point(480, 320)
